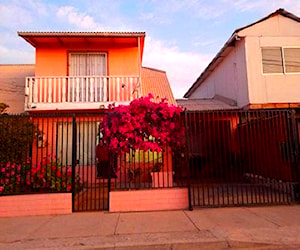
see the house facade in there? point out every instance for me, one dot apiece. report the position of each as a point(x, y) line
point(258, 67)
point(84, 70)
point(76, 76)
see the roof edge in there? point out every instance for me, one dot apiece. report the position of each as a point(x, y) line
point(79, 33)
point(154, 69)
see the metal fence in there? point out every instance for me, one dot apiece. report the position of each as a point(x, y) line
point(229, 158)
point(242, 157)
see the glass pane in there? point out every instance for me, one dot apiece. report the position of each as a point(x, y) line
point(272, 60)
point(292, 60)
point(96, 64)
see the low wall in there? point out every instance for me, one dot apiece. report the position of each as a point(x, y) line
point(35, 204)
point(148, 200)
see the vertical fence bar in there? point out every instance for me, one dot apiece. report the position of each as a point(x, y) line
point(187, 159)
point(74, 151)
point(295, 154)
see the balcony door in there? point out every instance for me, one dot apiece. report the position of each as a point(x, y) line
point(88, 82)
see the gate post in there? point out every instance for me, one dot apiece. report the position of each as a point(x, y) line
point(74, 161)
point(187, 162)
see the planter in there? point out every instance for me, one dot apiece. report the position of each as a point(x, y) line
point(35, 204)
point(148, 200)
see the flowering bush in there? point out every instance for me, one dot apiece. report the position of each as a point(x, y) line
point(143, 125)
point(47, 176)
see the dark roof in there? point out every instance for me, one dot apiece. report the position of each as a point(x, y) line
point(76, 34)
point(280, 11)
point(204, 104)
point(230, 42)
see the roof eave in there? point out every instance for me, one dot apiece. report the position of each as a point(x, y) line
point(80, 34)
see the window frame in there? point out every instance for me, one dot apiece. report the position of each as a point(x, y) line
point(88, 53)
point(283, 60)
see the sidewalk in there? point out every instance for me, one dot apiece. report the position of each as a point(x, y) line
point(275, 227)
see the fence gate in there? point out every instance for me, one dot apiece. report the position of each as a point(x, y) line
point(242, 157)
point(90, 178)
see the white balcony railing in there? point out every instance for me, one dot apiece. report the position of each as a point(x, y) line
point(63, 92)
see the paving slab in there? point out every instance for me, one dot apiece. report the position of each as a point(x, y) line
point(228, 218)
point(19, 228)
point(280, 215)
point(282, 235)
point(78, 225)
point(154, 222)
point(125, 241)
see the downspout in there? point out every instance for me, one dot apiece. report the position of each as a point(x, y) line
point(139, 85)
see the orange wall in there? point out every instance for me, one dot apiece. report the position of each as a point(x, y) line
point(53, 61)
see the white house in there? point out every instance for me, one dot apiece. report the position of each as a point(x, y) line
point(258, 67)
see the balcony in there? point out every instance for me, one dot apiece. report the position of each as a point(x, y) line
point(79, 92)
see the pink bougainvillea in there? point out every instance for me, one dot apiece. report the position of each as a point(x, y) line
point(49, 175)
point(143, 125)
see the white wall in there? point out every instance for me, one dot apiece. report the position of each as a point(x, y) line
point(271, 88)
point(228, 79)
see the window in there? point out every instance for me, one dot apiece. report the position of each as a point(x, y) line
point(272, 60)
point(280, 60)
point(292, 60)
point(87, 64)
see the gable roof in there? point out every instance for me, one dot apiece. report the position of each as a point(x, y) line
point(155, 81)
point(204, 104)
point(230, 43)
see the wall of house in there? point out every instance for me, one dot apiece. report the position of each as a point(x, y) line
point(271, 88)
point(228, 79)
point(12, 85)
point(53, 61)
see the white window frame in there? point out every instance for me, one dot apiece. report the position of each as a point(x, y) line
point(89, 53)
point(283, 60)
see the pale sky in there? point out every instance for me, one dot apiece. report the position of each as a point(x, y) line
point(182, 36)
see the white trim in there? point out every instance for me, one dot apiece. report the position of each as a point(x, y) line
point(282, 58)
point(72, 106)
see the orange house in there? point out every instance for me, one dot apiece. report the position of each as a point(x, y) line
point(82, 73)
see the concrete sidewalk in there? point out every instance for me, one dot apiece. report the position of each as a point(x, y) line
point(275, 227)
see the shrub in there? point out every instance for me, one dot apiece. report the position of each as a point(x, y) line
point(143, 125)
point(17, 134)
point(47, 176)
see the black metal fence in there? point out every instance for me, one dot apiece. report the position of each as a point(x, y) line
point(229, 158)
point(242, 157)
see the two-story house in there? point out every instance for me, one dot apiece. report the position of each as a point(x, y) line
point(258, 67)
point(76, 76)
point(87, 71)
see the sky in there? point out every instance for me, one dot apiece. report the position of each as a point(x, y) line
point(182, 36)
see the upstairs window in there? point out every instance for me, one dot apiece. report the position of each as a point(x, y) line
point(292, 60)
point(280, 60)
point(272, 60)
